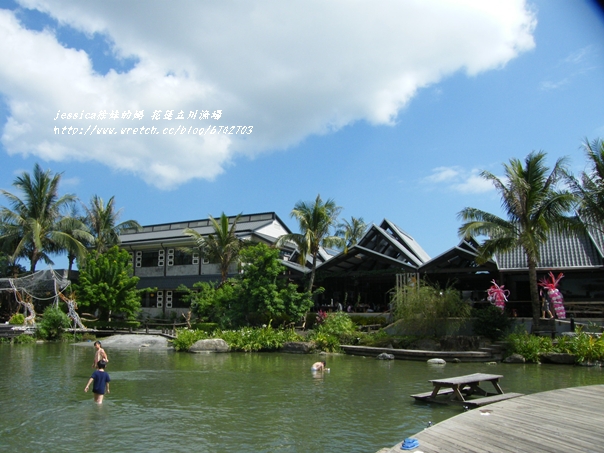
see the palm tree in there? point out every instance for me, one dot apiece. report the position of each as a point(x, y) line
point(534, 206)
point(589, 189)
point(102, 219)
point(75, 225)
point(222, 247)
point(351, 231)
point(315, 221)
point(32, 226)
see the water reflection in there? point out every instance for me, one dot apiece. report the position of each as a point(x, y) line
point(166, 401)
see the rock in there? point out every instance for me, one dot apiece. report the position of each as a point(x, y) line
point(210, 345)
point(490, 363)
point(558, 357)
point(589, 363)
point(385, 356)
point(456, 360)
point(514, 358)
point(131, 342)
point(437, 362)
point(297, 347)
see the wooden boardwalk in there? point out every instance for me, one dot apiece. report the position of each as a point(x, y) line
point(557, 421)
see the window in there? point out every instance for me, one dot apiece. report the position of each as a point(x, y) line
point(182, 258)
point(149, 258)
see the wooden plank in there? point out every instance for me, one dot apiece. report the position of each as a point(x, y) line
point(557, 421)
point(425, 395)
point(478, 402)
point(467, 379)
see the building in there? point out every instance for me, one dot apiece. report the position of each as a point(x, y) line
point(161, 260)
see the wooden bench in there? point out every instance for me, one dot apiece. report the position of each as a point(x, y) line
point(491, 399)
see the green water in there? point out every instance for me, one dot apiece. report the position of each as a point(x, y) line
point(177, 402)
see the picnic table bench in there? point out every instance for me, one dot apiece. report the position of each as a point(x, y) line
point(459, 389)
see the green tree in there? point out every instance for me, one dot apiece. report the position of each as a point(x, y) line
point(351, 232)
point(534, 206)
point(106, 283)
point(53, 324)
point(315, 220)
point(589, 187)
point(222, 246)
point(34, 226)
point(264, 291)
point(102, 220)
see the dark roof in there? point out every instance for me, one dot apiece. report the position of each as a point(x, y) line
point(172, 233)
point(560, 251)
point(458, 259)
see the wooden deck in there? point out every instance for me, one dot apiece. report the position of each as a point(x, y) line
point(558, 421)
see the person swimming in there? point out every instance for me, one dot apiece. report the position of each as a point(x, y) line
point(318, 366)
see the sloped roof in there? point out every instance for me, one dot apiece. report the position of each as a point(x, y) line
point(461, 258)
point(381, 247)
point(560, 251)
point(173, 232)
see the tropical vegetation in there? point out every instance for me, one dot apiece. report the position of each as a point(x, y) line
point(222, 246)
point(106, 285)
point(316, 221)
point(534, 205)
point(36, 224)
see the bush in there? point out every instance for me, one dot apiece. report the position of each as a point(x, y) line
point(24, 339)
point(17, 319)
point(185, 338)
point(207, 327)
point(528, 346)
point(584, 346)
point(326, 342)
point(250, 339)
point(53, 324)
point(490, 322)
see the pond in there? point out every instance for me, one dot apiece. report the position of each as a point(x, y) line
point(258, 402)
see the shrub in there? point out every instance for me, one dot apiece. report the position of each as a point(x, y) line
point(24, 339)
point(53, 324)
point(587, 347)
point(425, 307)
point(207, 327)
point(326, 342)
point(185, 338)
point(490, 322)
point(17, 319)
point(337, 324)
point(250, 339)
point(529, 346)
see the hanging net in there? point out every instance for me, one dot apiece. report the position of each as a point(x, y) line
point(46, 285)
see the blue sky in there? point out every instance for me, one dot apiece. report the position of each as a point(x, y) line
point(392, 110)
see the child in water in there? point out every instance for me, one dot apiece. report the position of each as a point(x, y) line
point(99, 354)
point(101, 379)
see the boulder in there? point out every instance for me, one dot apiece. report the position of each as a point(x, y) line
point(437, 362)
point(558, 357)
point(210, 345)
point(385, 356)
point(514, 358)
point(297, 347)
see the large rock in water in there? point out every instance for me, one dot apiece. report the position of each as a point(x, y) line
point(297, 347)
point(210, 345)
point(514, 358)
point(558, 357)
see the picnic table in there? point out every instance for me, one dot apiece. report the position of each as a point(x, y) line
point(459, 389)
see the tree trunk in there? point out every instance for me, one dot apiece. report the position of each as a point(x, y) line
point(312, 273)
point(535, 303)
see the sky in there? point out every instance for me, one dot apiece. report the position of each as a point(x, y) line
point(186, 109)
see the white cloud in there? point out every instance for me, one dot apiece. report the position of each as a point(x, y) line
point(289, 69)
point(458, 179)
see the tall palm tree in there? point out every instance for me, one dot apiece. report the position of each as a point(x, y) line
point(315, 220)
point(589, 188)
point(351, 231)
point(222, 246)
point(533, 205)
point(102, 220)
point(33, 226)
point(75, 225)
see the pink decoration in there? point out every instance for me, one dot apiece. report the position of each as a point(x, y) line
point(497, 295)
point(555, 296)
